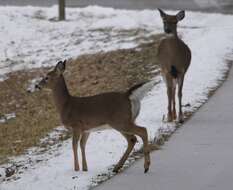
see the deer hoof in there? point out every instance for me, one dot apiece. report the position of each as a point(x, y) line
point(167, 119)
point(76, 168)
point(146, 170)
point(174, 116)
point(147, 164)
point(181, 119)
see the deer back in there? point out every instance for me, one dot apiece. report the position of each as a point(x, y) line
point(88, 112)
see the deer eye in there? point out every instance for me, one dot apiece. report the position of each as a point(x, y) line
point(46, 78)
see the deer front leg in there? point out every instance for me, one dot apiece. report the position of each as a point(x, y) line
point(131, 140)
point(169, 107)
point(180, 86)
point(174, 116)
point(83, 146)
point(75, 149)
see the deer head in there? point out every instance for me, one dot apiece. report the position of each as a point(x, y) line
point(170, 21)
point(51, 77)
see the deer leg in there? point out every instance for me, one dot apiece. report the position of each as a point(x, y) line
point(83, 142)
point(131, 140)
point(142, 133)
point(169, 96)
point(180, 88)
point(174, 116)
point(75, 149)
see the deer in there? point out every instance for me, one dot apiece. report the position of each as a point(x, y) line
point(82, 115)
point(174, 58)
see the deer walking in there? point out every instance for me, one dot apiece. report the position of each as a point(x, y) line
point(174, 57)
point(86, 114)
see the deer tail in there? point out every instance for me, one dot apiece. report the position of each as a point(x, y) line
point(135, 87)
point(138, 91)
point(174, 71)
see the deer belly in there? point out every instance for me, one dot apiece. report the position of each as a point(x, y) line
point(99, 128)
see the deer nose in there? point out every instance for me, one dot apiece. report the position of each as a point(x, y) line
point(37, 87)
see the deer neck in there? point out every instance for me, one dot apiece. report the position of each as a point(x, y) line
point(60, 93)
point(175, 34)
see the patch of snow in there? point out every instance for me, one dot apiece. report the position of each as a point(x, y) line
point(32, 83)
point(2, 120)
point(2, 77)
point(208, 35)
point(2, 174)
point(6, 117)
point(10, 116)
point(54, 135)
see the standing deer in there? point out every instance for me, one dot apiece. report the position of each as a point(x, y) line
point(174, 57)
point(86, 114)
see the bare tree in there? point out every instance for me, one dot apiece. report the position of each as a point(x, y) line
point(61, 7)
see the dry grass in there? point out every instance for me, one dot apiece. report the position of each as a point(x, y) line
point(87, 75)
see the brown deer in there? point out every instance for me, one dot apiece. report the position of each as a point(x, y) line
point(85, 114)
point(174, 57)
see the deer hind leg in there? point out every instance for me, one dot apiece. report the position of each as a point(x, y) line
point(83, 142)
point(180, 88)
point(131, 140)
point(142, 133)
point(75, 140)
point(174, 115)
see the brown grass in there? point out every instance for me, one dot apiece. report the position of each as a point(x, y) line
point(87, 75)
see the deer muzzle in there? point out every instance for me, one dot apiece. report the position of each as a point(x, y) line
point(37, 86)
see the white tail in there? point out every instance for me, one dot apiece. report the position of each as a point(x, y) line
point(85, 114)
point(174, 57)
point(137, 96)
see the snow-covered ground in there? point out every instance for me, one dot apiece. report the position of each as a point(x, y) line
point(27, 40)
point(31, 38)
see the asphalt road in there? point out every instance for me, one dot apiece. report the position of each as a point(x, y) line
point(199, 156)
point(223, 6)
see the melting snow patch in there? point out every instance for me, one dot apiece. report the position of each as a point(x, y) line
point(7, 117)
point(2, 174)
point(32, 84)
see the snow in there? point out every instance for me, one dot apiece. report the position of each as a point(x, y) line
point(32, 83)
point(7, 117)
point(40, 42)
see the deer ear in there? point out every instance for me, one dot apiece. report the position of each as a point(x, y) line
point(162, 14)
point(60, 67)
point(180, 15)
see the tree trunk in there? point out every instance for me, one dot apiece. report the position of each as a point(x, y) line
point(61, 7)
